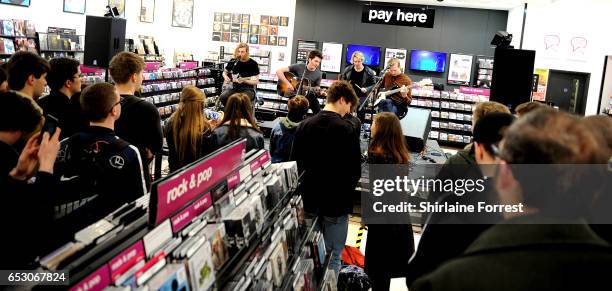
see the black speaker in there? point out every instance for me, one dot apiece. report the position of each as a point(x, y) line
point(512, 76)
point(416, 126)
point(104, 38)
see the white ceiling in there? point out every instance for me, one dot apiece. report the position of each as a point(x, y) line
point(483, 4)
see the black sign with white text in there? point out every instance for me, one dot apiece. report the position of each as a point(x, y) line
point(394, 15)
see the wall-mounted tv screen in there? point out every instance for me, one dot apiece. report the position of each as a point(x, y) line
point(427, 61)
point(371, 54)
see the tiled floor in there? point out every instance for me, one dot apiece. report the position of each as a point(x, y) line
point(398, 284)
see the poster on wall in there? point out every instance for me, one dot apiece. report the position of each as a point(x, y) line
point(332, 57)
point(182, 13)
point(460, 69)
point(248, 28)
point(303, 48)
point(25, 3)
point(120, 4)
point(399, 54)
point(74, 6)
point(147, 11)
point(540, 93)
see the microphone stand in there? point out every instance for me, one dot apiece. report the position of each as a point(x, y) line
point(299, 88)
point(370, 97)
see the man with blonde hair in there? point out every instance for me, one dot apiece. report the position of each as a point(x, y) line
point(394, 79)
point(361, 77)
point(242, 73)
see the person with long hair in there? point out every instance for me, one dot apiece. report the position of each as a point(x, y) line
point(238, 122)
point(188, 130)
point(389, 246)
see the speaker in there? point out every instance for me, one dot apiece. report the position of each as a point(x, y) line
point(104, 38)
point(512, 78)
point(415, 127)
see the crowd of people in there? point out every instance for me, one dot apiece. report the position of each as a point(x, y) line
point(96, 157)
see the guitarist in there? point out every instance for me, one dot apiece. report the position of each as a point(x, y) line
point(244, 67)
point(395, 79)
point(361, 77)
point(310, 71)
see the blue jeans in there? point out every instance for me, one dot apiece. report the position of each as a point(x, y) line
point(387, 106)
point(334, 231)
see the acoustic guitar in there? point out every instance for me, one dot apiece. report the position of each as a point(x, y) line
point(283, 90)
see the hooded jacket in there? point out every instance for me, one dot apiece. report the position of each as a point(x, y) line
point(281, 139)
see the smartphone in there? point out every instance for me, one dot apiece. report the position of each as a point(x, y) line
point(212, 115)
point(51, 123)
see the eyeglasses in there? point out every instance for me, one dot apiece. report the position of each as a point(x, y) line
point(117, 103)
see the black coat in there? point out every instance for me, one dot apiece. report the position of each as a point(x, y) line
point(388, 246)
point(220, 137)
point(327, 150)
point(532, 255)
point(369, 78)
point(66, 109)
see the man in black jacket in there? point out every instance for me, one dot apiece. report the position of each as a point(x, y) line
point(64, 79)
point(140, 123)
point(328, 153)
point(25, 211)
point(96, 167)
point(361, 77)
point(547, 246)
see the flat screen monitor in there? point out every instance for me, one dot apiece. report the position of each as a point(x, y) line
point(427, 61)
point(371, 54)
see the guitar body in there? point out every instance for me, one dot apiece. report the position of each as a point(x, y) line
point(395, 96)
point(283, 90)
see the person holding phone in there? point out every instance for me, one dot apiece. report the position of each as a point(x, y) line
point(36, 159)
point(188, 130)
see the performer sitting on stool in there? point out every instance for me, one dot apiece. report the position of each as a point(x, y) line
point(310, 77)
point(396, 94)
point(241, 75)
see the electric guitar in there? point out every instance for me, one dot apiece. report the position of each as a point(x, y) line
point(397, 99)
point(235, 78)
point(283, 90)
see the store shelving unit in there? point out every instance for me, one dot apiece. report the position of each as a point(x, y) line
point(451, 114)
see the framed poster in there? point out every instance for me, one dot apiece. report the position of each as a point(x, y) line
point(332, 57)
point(74, 6)
point(147, 11)
point(399, 54)
point(182, 13)
point(25, 3)
point(460, 69)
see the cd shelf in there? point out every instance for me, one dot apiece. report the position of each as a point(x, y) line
point(196, 238)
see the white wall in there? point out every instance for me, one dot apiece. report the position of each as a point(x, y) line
point(515, 24)
point(197, 40)
point(566, 19)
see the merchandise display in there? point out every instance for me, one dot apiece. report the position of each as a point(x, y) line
point(451, 113)
point(223, 208)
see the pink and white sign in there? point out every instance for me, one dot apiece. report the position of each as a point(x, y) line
point(233, 180)
point(188, 65)
point(475, 91)
point(152, 66)
point(174, 193)
point(184, 217)
point(126, 260)
point(97, 281)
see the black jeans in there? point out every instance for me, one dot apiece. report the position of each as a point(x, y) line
point(313, 102)
point(227, 93)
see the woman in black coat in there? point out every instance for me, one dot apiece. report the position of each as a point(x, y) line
point(389, 246)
